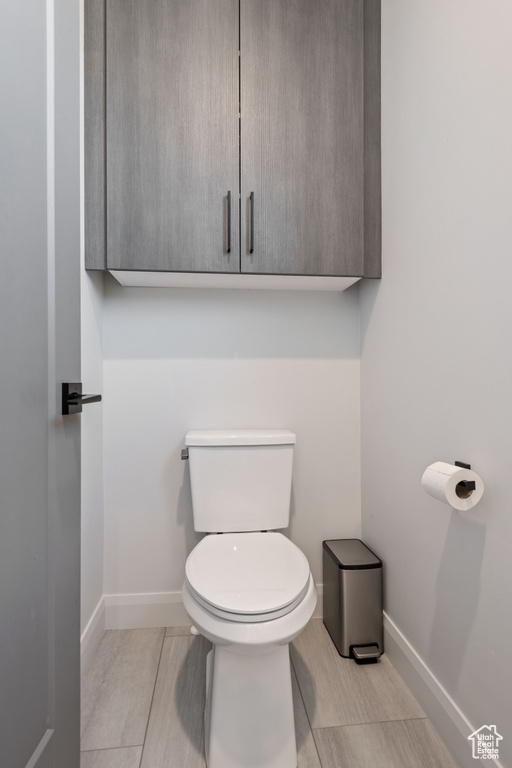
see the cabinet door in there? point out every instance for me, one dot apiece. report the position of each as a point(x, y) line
point(172, 135)
point(302, 136)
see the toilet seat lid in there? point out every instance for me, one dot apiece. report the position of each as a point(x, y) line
point(247, 573)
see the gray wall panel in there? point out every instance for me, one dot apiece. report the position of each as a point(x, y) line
point(39, 347)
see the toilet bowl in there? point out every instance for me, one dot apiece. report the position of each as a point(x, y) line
point(249, 592)
point(251, 589)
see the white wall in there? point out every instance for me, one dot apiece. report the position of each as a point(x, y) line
point(179, 359)
point(436, 365)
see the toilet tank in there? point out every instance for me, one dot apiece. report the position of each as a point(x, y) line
point(241, 479)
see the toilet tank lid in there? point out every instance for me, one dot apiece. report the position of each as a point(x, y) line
point(215, 437)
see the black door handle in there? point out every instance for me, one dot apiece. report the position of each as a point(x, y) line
point(73, 399)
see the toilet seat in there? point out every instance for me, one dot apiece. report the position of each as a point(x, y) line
point(247, 577)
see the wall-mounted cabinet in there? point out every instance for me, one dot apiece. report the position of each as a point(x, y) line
point(237, 137)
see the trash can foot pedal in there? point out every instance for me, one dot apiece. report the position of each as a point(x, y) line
point(361, 652)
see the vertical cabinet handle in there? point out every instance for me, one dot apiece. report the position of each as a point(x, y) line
point(251, 217)
point(228, 224)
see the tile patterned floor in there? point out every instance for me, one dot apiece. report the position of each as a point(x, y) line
point(142, 706)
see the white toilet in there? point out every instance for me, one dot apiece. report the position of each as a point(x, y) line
point(249, 591)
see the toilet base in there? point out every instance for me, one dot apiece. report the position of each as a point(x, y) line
point(249, 719)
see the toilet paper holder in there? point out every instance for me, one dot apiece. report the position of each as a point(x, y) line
point(454, 484)
point(466, 487)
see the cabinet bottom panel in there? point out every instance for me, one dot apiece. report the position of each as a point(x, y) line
point(215, 280)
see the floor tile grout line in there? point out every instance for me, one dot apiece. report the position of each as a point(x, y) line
point(153, 696)
point(368, 722)
point(305, 710)
point(316, 747)
point(110, 749)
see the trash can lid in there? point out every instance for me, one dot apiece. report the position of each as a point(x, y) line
point(351, 554)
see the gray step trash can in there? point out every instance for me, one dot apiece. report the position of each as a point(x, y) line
point(353, 598)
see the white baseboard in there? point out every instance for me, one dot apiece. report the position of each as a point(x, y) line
point(448, 719)
point(91, 636)
point(154, 609)
point(319, 610)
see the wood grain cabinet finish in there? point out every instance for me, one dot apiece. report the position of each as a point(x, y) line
point(241, 136)
point(172, 134)
point(302, 136)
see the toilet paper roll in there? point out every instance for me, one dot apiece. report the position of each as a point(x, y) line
point(446, 482)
